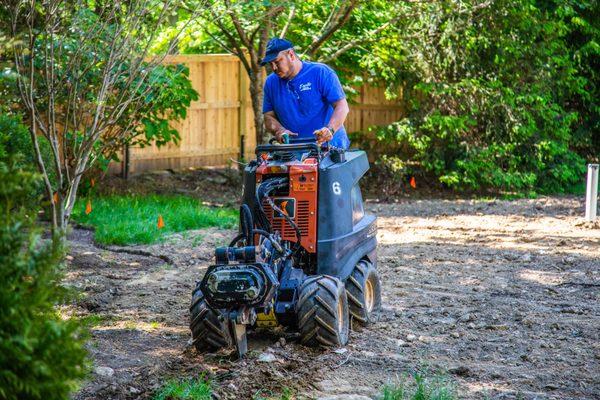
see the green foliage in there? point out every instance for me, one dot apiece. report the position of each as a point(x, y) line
point(168, 99)
point(185, 389)
point(309, 21)
point(500, 95)
point(125, 220)
point(15, 139)
point(41, 355)
point(420, 387)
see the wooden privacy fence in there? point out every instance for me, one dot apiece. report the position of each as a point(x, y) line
point(221, 121)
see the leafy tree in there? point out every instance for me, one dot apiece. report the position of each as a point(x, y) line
point(87, 84)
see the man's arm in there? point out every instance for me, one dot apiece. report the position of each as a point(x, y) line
point(274, 126)
point(271, 123)
point(340, 111)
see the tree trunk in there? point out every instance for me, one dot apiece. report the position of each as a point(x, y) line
point(257, 82)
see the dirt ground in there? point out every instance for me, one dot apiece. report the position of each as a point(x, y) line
point(499, 296)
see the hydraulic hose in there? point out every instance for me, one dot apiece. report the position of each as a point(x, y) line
point(246, 223)
point(263, 191)
point(291, 222)
point(242, 236)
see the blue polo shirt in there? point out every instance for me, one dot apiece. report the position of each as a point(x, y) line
point(303, 104)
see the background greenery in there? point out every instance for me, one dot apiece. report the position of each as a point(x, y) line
point(500, 95)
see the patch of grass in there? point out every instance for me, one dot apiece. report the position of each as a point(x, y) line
point(94, 320)
point(420, 387)
point(126, 220)
point(520, 195)
point(185, 389)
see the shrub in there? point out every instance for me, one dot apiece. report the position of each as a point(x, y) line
point(501, 96)
point(41, 355)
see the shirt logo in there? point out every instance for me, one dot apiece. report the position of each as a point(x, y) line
point(305, 86)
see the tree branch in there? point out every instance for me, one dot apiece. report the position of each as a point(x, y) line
point(289, 21)
point(237, 25)
point(367, 37)
point(331, 29)
point(234, 43)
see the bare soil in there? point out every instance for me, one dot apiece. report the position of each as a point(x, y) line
point(501, 297)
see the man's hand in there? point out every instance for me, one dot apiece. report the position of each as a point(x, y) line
point(280, 135)
point(324, 134)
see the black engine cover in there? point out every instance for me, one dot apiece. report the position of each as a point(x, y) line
point(231, 286)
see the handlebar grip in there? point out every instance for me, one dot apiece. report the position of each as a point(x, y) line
point(267, 148)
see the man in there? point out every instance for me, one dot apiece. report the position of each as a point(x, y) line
point(303, 99)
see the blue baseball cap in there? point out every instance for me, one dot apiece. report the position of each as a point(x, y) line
point(275, 46)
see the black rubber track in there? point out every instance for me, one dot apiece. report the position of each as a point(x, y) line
point(355, 287)
point(208, 331)
point(317, 308)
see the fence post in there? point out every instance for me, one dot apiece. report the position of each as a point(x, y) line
point(591, 197)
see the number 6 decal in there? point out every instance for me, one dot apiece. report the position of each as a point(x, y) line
point(337, 189)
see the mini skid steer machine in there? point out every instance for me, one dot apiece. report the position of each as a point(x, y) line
point(305, 257)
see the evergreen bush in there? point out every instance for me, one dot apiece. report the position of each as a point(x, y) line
point(42, 354)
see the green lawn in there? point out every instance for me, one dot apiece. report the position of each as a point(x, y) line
point(126, 220)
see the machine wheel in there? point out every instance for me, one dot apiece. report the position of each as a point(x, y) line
point(364, 292)
point(208, 331)
point(323, 312)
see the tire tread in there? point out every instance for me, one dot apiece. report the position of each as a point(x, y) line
point(317, 312)
point(208, 331)
point(355, 283)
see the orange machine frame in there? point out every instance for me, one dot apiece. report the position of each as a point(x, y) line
point(303, 186)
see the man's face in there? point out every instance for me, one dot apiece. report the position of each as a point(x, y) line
point(283, 64)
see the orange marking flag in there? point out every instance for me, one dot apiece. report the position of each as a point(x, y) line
point(55, 198)
point(161, 222)
point(88, 207)
point(413, 182)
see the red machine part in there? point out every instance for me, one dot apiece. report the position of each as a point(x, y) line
point(303, 188)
